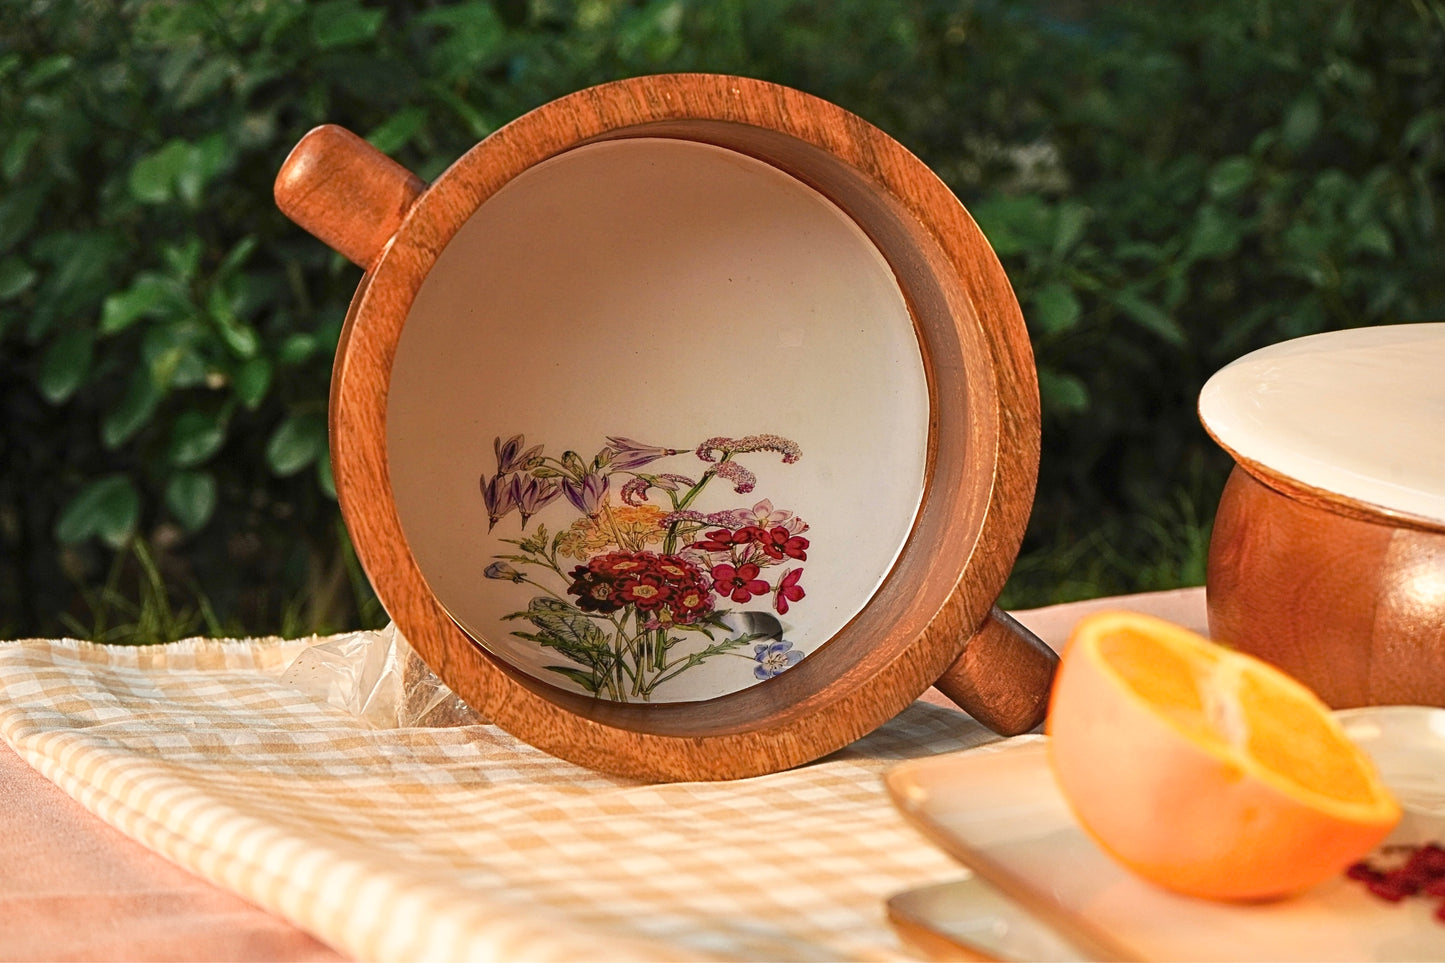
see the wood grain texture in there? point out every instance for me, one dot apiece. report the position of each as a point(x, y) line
point(1005, 673)
point(983, 456)
point(1354, 608)
point(346, 192)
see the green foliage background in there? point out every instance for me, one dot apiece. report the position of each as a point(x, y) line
point(1169, 185)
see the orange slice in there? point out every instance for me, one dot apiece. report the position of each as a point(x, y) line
point(1205, 770)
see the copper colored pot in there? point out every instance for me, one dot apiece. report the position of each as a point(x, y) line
point(1328, 552)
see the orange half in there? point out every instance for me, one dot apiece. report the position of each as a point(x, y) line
point(1205, 770)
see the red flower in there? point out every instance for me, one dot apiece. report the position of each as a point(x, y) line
point(690, 602)
point(595, 591)
point(674, 569)
point(621, 564)
point(779, 542)
point(719, 540)
point(647, 593)
point(740, 583)
point(788, 590)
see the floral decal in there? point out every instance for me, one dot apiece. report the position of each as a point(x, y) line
point(636, 591)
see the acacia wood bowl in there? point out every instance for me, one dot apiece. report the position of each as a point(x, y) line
point(461, 279)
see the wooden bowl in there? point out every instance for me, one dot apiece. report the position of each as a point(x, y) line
point(599, 372)
point(1328, 552)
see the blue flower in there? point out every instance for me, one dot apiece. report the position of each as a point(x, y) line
point(774, 657)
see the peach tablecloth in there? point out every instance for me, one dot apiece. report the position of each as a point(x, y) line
point(73, 887)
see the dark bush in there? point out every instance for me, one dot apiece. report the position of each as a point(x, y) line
point(1169, 186)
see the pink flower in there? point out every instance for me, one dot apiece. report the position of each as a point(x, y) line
point(765, 516)
point(740, 583)
point(788, 590)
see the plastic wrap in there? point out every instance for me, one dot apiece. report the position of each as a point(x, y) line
point(376, 676)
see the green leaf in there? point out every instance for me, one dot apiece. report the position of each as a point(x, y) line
point(65, 364)
point(566, 628)
point(1373, 238)
point(1014, 225)
point(151, 295)
point(1150, 317)
point(1230, 176)
point(297, 442)
point(17, 152)
point(252, 381)
point(397, 130)
point(1302, 123)
point(191, 497)
point(200, 164)
point(339, 23)
point(1072, 218)
point(237, 335)
point(325, 480)
point(108, 507)
point(1062, 393)
point(133, 412)
point(16, 277)
point(296, 348)
point(153, 177)
point(1215, 235)
point(587, 680)
point(1056, 308)
point(196, 436)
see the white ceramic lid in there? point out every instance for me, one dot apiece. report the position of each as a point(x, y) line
point(1358, 413)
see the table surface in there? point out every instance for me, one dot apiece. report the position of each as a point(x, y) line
point(74, 888)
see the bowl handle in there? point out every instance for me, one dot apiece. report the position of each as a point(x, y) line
point(1002, 678)
point(346, 192)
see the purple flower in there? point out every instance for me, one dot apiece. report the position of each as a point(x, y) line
point(742, 479)
point(732, 446)
point(635, 491)
point(775, 658)
point(532, 494)
point(629, 455)
point(510, 456)
point(497, 493)
point(587, 495)
point(504, 571)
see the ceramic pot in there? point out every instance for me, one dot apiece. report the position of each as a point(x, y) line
point(1328, 551)
point(686, 426)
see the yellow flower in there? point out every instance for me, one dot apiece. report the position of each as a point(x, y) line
point(630, 528)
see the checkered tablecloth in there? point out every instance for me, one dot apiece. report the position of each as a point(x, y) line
point(458, 841)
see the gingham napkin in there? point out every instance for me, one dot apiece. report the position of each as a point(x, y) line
point(461, 842)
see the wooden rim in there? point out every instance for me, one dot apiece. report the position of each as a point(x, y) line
point(983, 453)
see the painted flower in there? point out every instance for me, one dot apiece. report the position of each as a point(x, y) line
point(621, 564)
point(587, 495)
point(510, 455)
point(629, 455)
point(500, 500)
point(788, 590)
point(626, 526)
point(676, 569)
point(595, 592)
point(779, 542)
point(719, 540)
point(531, 495)
point(774, 658)
point(502, 570)
point(647, 592)
point(739, 583)
point(764, 516)
point(690, 602)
